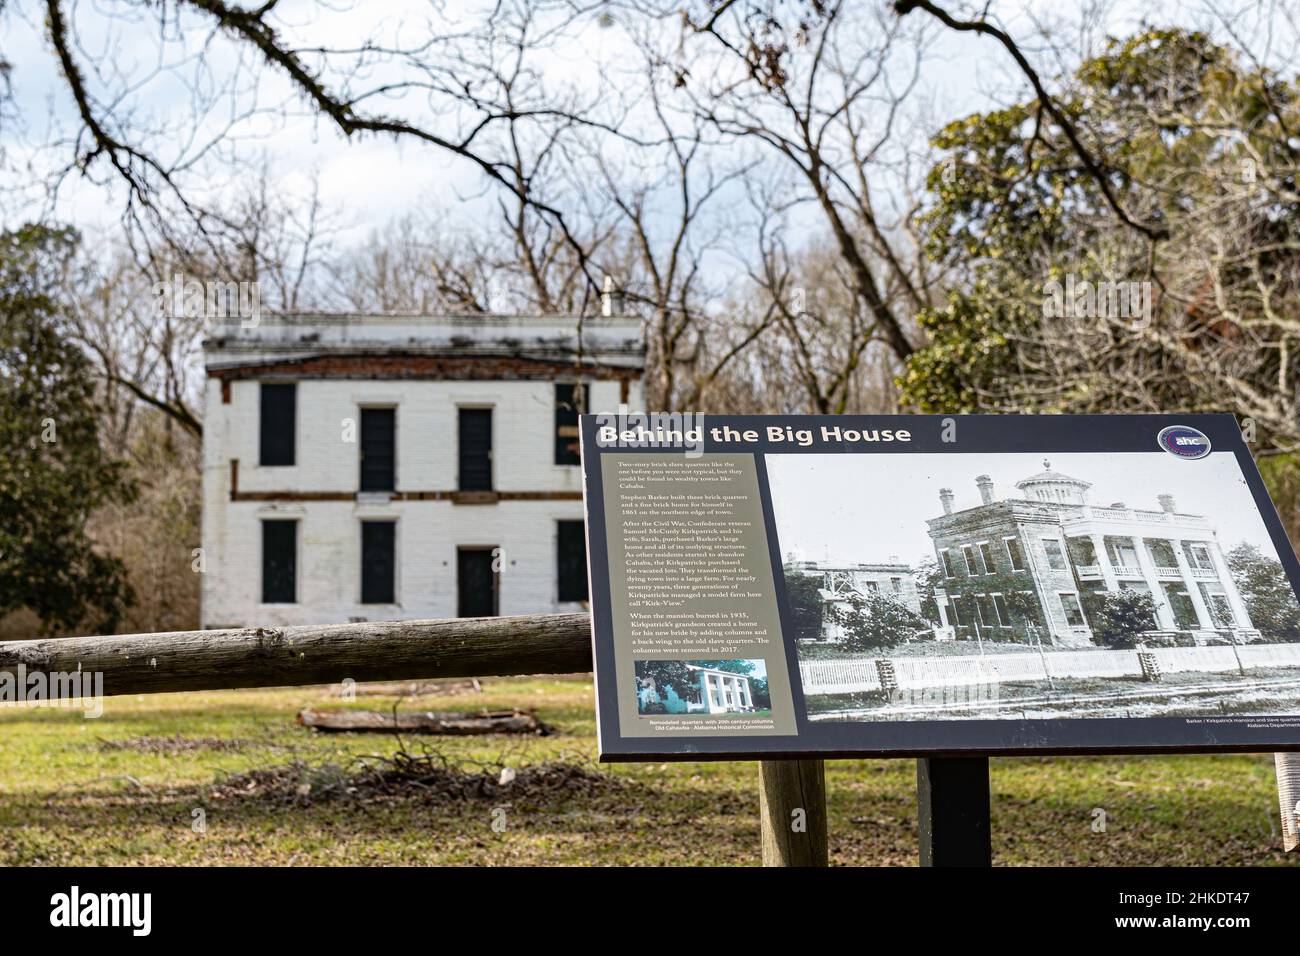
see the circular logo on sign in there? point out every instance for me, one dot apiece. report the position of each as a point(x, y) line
point(1184, 441)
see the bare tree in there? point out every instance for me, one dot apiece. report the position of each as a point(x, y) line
point(823, 87)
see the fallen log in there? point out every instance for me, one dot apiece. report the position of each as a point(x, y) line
point(446, 723)
point(314, 654)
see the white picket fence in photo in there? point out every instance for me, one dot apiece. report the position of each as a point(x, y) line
point(863, 675)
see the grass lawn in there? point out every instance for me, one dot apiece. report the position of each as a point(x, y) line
point(124, 789)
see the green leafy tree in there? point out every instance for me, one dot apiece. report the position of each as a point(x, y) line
point(873, 621)
point(1118, 617)
point(1267, 593)
point(53, 471)
point(1198, 146)
point(665, 674)
point(759, 691)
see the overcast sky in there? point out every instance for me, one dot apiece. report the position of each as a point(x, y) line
point(868, 508)
point(371, 181)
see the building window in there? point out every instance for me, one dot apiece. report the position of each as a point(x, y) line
point(988, 617)
point(1123, 554)
point(1073, 612)
point(570, 402)
point(968, 553)
point(1199, 557)
point(278, 414)
point(1000, 605)
point(378, 562)
point(896, 585)
point(948, 571)
point(475, 437)
point(1014, 554)
point(1055, 557)
point(571, 561)
point(1162, 554)
point(378, 449)
point(986, 555)
point(279, 562)
point(1180, 602)
point(1216, 602)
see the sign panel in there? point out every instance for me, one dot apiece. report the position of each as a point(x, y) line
point(923, 585)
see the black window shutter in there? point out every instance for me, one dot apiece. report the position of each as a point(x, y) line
point(279, 562)
point(571, 561)
point(378, 563)
point(475, 449)
point(378, 449)
point(278, 416)
point(570, 401)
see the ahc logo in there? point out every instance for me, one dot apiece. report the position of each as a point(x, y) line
point(1183, 441)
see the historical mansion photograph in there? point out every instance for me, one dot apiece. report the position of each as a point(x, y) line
point(1013, 586)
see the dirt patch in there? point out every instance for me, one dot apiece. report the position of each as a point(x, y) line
point(429, 777)
point(175, 744)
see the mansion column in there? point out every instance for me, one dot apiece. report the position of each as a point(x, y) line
point(1103, 561)
point(1164, 613)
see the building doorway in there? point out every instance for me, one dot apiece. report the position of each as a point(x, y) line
point(477, 590)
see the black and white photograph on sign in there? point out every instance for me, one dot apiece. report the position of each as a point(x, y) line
point(694, 688)
point(1018, 586)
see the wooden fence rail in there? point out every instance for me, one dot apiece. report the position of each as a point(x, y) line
point(326, 654)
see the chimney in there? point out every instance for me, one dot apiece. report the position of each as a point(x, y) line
point(611, 300)
point(985, 485)
point(1167, 503)
point(945, 496)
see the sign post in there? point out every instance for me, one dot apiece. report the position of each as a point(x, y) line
point(792, 812)
point(952, 799)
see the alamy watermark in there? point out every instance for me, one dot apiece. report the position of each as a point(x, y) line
point(624, 429)
point(73, 689)
point(1082, 299)
point(212, 300)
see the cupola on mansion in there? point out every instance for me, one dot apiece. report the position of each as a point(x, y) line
point(1053, 540)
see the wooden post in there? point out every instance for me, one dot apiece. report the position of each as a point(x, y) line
point(952, 796)
point(1288, 793)
point(792, 810)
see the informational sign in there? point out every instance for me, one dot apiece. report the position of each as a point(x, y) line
point(925, 585)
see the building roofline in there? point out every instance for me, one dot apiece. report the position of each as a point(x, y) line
point(1058, 506)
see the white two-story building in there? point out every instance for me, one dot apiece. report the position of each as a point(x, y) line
point(381, 467)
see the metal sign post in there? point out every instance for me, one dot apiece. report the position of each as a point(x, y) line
point(952, 796)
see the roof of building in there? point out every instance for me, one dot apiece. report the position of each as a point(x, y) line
point(1054, 477)
point(603, 340)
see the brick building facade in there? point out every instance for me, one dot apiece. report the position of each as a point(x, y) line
point(1052, 543)
point(381, 467)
